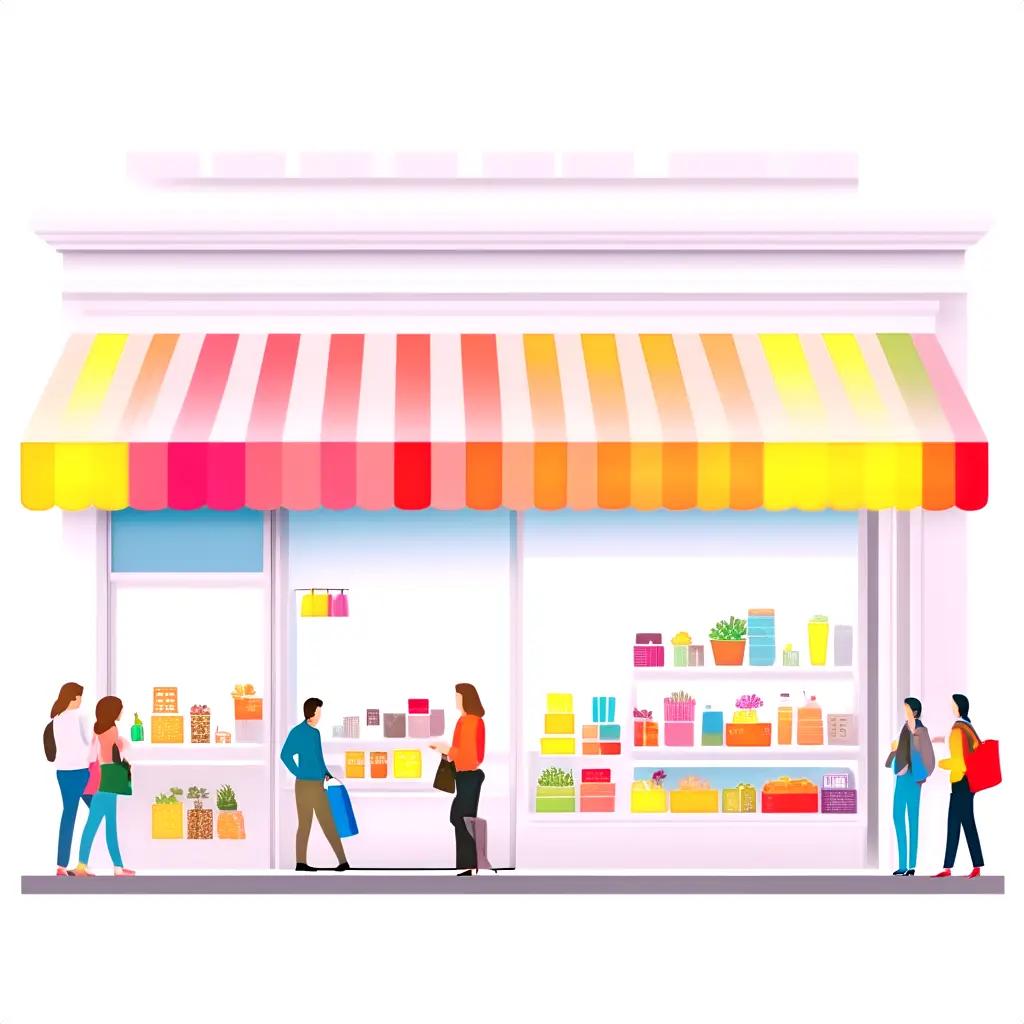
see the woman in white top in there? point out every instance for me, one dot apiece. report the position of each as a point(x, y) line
point(71, 739)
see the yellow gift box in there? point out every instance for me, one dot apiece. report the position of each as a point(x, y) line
point(559, 703)
point(408, 764)
point(560, 724)
point(557, 745)
point(355, 764)
point(167, 729)
point(645, 798)
point(168, 821)
point(694, 801)
point(741, 799)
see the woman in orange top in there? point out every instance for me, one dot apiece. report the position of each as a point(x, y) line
point(467, 754)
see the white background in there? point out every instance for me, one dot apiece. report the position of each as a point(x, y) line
point(928, 92)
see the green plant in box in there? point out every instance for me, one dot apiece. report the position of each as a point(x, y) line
point(170, 797)
point(553, 776)
point(226, 800)
point(200, 818)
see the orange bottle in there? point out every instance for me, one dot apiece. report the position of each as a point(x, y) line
point(809, 726)
point(785, 720)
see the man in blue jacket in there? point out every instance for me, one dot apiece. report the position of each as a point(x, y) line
point(304, 747)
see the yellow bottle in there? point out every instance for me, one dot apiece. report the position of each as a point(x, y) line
point(817, 639)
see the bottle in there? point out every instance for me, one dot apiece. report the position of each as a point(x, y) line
point(712, 727)
point(137, 732)
point(817, 639)
point(809, 728)
point(785, 720)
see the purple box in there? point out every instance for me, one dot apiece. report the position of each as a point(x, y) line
point(839, 801)
point(419, 726)
point(394, 726)
point(437, 722)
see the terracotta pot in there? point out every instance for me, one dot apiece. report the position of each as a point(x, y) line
point(728, 652)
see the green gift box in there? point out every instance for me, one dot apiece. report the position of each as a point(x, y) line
point(556, 804)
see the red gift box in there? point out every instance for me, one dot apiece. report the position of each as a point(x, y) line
point(611, 748)
point(597, 775)
point(645, 733)
point(679, 734)
point(419, 707)
point(789, 803)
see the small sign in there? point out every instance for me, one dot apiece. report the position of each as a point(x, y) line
point(842, 730)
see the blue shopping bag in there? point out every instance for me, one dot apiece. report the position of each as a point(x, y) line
point(341, 809)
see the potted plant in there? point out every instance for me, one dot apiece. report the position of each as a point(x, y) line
point(230, 823)
point(556, 791)
point(167, 815)
point(200, 818)
point(746, 708)
point(728, 641)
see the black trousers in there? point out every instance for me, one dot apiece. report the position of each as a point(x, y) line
point(961, 815)
point(465, 805)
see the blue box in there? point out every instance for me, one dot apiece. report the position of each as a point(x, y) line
point(609, 732)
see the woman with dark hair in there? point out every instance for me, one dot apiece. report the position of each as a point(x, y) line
point(467, 754)
point(912, 760)
point(962, 740)
point(67, 746)
point(105, 740)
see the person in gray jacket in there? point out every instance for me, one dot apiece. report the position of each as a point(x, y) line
point(912, 760)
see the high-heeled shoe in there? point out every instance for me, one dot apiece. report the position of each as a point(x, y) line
point(468, 871)
point(976, 873)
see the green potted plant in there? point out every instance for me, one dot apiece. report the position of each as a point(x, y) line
point(200, 818)
point(728, 641)
point(230, 823)
point(167, 815)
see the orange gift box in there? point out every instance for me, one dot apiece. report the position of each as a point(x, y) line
point(590, 731)
point(597, 789)
point(379, 765)
point(610, 748)
point(597, 803)
point(645, 733)
point(748, 734)
point(591, 748)
point(248, 709)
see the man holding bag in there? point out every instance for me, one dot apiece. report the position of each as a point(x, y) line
point(303, 756)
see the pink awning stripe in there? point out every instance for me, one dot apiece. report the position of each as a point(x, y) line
point(263, 450)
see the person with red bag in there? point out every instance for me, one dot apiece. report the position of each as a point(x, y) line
point(963, 741)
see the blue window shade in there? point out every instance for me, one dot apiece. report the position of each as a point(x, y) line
point(199, 541)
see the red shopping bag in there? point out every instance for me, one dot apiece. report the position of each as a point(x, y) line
point(983, 771)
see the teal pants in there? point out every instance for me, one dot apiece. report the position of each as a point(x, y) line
point(102, 809)
point(906, 806)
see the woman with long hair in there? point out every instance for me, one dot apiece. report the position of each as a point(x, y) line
point(912, 760)
point(962, 740)
point(466, 752)
point(104, 805)
point(67, 746)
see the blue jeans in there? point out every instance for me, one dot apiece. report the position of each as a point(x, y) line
point(906, 806)
point(104, 807)
point(72, 789)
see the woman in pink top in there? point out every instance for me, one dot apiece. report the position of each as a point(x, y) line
point(104, 805)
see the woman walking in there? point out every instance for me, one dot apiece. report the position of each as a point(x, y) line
point(467, 754)
point(66, 742)
point(912, 760)
point(962, 740)
point(104, 805)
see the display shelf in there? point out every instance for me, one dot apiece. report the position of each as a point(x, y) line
point(773, 754)
point(392, 791)
point(668, 818)
point(380, 743)
point(724, 672)
point(227, 754)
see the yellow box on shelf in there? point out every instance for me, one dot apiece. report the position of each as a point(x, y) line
point(167, 729)
point(355, 764)
point(558, 745)
point(694, 801)
point(560, 703)
point(647, 799)
point(408, 764)
point(560, 724)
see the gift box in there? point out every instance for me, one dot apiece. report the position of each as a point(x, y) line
point(419, 726)
point(646, 798)
point(248, 709)
point(842, 730)
point(419, 706)
point(378, 764)
point(597, 804)
point(645, 732)
point(681, 655)
point(167, 729)
point(597, 789)
point(740, 799)
point(355, 764)
point(437, 722)
point(373, 716)
point(693, 801)
point(748, 734)
point(560, 725)
point(555, 804)
point(199, 726)
point(591, 747)
point(680, 710)
point(559, 703)
point(350, 727)
point(839, 801)
point(408, 764)
point(165, 700)
point(251, 731)
point(590, 731)
point(168, 821)
point(610, 732)
point(610, 748)
point(695, 655)
point(394, 726)
point(603, 709)
point(679, 734)
point(712, 728)
point(648, 651)
point(596, 775)
point(789, 796)
point(791, 659)
point(557, 745)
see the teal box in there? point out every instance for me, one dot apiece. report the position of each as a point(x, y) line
point(609, 731)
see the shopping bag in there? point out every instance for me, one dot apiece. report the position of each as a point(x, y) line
point(339, 605)
point(116, 778)
point(983, 771)
point(444, 778)
point(341, 810)
point(477, 828)
point(315, 605)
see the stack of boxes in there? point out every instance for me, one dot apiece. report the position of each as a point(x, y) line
point(597, 791)
point(559, 726)
point(761, 633)
point(680, 715)
point(419, 719)
point(167, 726)
point(602, 735)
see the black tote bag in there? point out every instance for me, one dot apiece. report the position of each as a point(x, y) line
point(444, 780)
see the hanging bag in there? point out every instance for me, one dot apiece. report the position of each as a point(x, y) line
point(342, 812)
point(49, 742)
point(339, 605)
point(314, 605)
point(116, 777)
point(444, 778)
point(982, 763)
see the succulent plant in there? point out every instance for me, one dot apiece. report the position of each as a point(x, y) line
point(198, 794)
point(226, 800)
point(170, 797)
point(555, 777)
point(729, 629)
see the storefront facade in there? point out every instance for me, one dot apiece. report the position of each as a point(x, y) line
point(519, 422)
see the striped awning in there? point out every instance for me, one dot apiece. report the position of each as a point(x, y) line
point(482, 421)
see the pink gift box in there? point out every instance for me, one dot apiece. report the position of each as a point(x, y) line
point(679, 734)
point(680, 710)
point(437, 722)
point(418, 706)
point(419, 726)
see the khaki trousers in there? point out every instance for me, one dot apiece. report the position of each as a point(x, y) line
point(310, 799)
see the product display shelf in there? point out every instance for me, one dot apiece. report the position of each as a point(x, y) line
point(369, 743)
point(703, 673)
point(212, 754)
point(830, 754)
point(668, 819)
